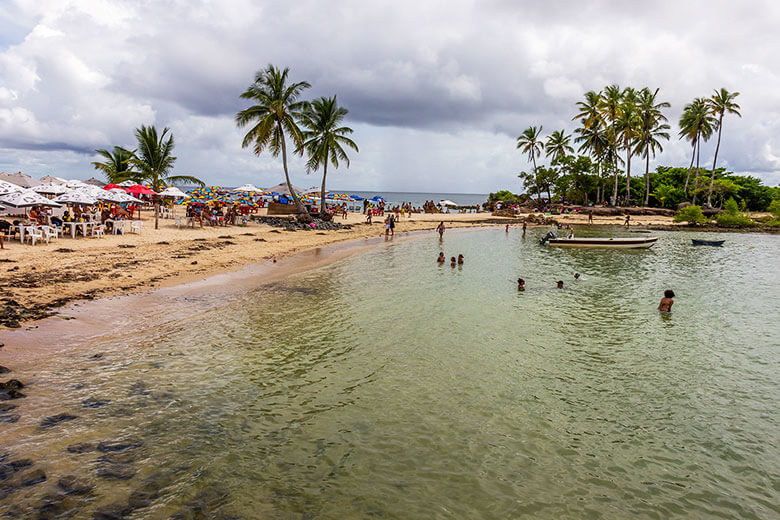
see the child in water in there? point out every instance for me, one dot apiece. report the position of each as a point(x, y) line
point(666, 301)
point(460, 259)
point(441, 259)
point(453, 262)
point(559, 284)
point(520, 284)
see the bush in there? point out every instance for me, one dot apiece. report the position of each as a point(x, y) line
point(691, 215)
point(774, 208)
point(737, 220)
point(730, 207)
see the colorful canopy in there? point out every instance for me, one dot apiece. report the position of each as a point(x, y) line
point(138, 189)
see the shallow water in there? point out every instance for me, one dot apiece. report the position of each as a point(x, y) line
point(387, 386)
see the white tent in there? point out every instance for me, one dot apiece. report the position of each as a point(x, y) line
point(9, 187)
point(174, 192)
point(77, 197)
point(248, 188)
point(25, 199)
point(50, 189)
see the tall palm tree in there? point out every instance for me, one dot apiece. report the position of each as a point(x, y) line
point(276, 112)
point(628, 131)
point(154, 160)
point(557, 145)
point(116, 167)
point(529, 142)
point(611, 106)
point(594, 141)
point(696, 123)
point(324, 139)
point(590, 110)
point(720, 103)
point(653, 127)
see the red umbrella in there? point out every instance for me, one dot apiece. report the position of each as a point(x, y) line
point(111, 186)
point(137, 189)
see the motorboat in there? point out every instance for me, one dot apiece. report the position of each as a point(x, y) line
point(612, 243)
point(707, 242)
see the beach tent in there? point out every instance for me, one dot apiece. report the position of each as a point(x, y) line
point(9, 187)
point(248, 188)
point(281, 189)
point(50, 189)
point(20, 179)
point(447, 203)
point(48, 179)
point(76, 197)
point(26, 199)
point(173, 192)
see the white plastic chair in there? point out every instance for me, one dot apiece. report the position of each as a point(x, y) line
point(98, 231)
point(50, 232)
point(179, 221)
point(135, 226)
point(33, 234)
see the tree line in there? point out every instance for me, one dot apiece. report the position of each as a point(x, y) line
point(617, 125)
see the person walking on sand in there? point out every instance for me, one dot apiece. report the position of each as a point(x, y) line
point(667, 301)
point(590, 217)
point(628, 219)
point(440, 228)
point(392, 225)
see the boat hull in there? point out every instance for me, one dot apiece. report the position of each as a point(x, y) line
point(608, 243)
point(715, 243)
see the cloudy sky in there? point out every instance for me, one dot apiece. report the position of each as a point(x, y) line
point(437, 91)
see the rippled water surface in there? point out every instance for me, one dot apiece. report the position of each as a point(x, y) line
point(385, 386)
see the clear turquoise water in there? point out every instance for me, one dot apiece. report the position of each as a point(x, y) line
point(388, 386)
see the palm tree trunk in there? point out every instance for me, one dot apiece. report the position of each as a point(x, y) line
point(647, 175)
point(322, 191)
point(156, 213)
point(628, 175)
point(698, 155)
point(690, 169)
point(714, 162)
point(615, 189)
point(301, 208)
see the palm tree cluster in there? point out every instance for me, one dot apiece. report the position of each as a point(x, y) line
point(617, 124)
point(151, 162)
point(313, 127)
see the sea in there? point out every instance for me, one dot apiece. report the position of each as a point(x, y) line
point(385, 385)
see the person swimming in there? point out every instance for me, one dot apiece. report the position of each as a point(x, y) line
point(441, 259)
point(520, 284)
point(453, 262)
point(576, 276)
point(460, 259)
point(559, 284)
point(667, 301)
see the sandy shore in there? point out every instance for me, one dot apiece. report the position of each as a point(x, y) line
point(39, 278)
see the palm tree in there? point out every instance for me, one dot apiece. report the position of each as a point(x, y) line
point(530, 143)
point(276, 112)
point(653, 127)
point(628, 131)
point(116, 167)
point(557, 145)
point(324, 138)
point(593, 140)
point(720, 103)
point(590, 110)
point(611, 106)
point(696, 123)
point(154, 160)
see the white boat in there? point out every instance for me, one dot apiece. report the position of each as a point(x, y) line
point(615, 243)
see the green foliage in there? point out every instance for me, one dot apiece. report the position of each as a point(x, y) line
point(774, 208)
point(116, 167)
point(502, 195)
point(737, 220)
point(691, 215)
point(731, 207)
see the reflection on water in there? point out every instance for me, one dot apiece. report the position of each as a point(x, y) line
point(389, 386)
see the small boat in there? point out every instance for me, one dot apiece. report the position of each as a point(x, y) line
point(707, 242)
point(613, 243)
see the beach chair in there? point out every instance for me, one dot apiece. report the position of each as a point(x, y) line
point(50, 232)
point(98, 231)
point(135, 226)
point(179, 221)
point(34, 234)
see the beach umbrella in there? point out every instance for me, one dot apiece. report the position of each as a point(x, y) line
point(95, 182)
point(50, 189)
point(137, 189)
point(20, 179)
point(9, 187)
point(76, 197)
point(26, 199)
point(75, 183)
point(281, 189)
point(172, 191)
point(447, 203)
point(376, 198)
point(248, 188)
point(117, 197)
point(127, 183)
point(48, 179)
point(112, 186)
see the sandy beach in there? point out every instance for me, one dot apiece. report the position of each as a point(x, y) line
point(43, 277)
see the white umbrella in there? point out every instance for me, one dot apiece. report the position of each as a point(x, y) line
point(127, 183)
point(173, 191)
point(117, 197)
point(75, 183)
point(50, 189)
point(26, 199)
point(447, 203)
point(250, 188)
point(9, 187)
point(20, 179)
point(76, 197)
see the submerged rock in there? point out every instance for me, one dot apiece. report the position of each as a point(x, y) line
point(81, 447)
point(7, 395)
point(116, 471)
point(94, 403)
point(121, 445)
point(72, 485)
point(9, 418)
point(54, 420)
point(33, 477)
point(12, 384)
point(4, 370)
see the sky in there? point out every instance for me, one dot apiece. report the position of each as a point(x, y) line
point(437, 91)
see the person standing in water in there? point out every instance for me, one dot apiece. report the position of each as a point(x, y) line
point(667, 301)
point(559, 284)
point(507, 228)
point(440, 228)
point(525, 225)
point(520, 284)
point(453, 262)
point(460, 259)
point(441, 258)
